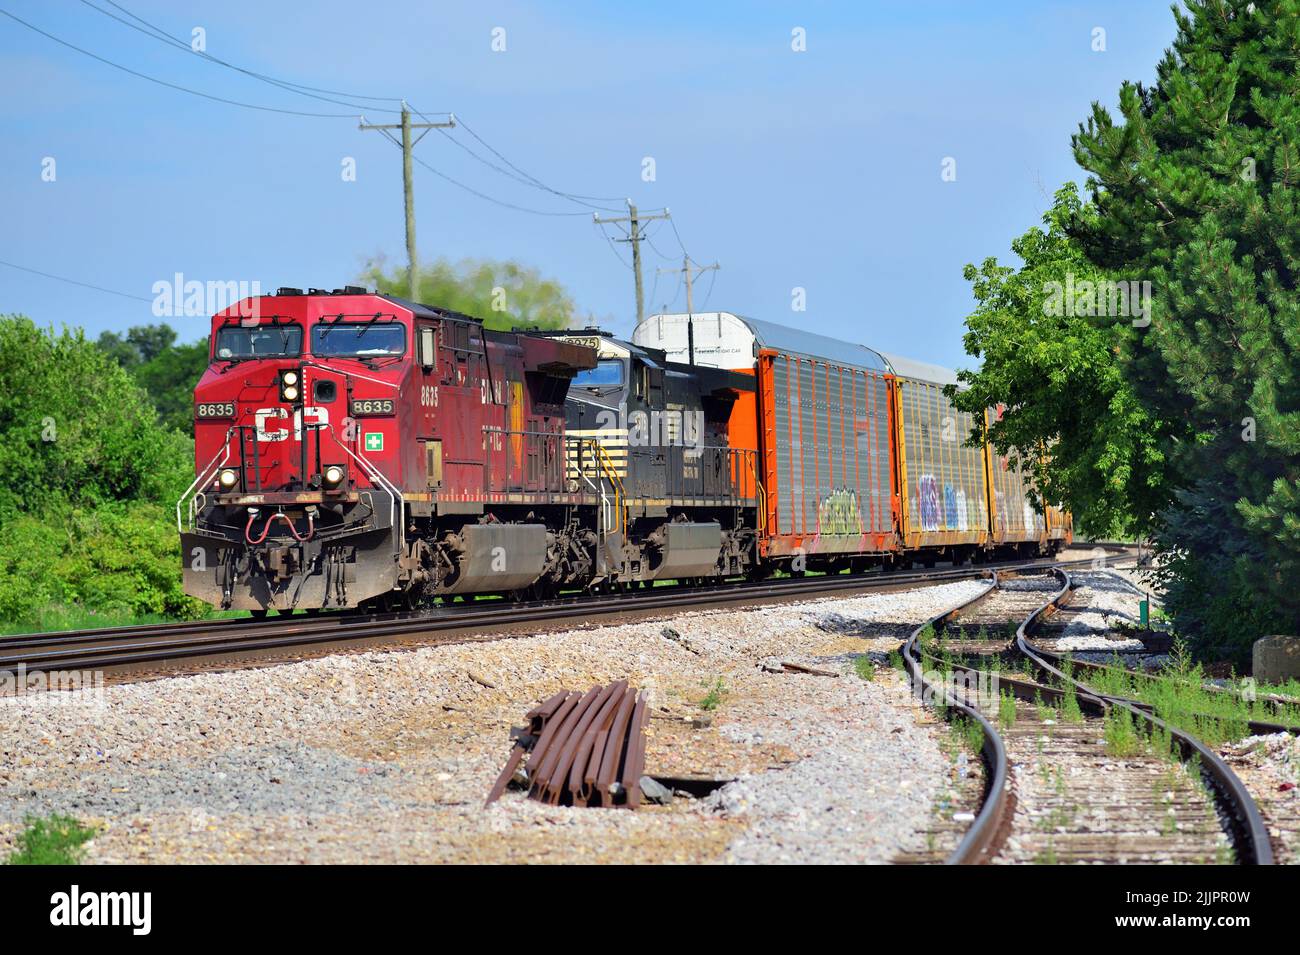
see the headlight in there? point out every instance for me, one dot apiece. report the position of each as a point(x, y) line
point(289, 385)
point(228, 479)
point(333, 476)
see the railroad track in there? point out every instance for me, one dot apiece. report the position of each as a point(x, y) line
point(160, 646)
point(1064, 780)
point(1285, 710)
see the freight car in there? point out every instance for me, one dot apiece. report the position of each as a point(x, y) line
point(355, 449)
point(863, 459)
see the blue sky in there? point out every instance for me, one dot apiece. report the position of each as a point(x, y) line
point(816, 169)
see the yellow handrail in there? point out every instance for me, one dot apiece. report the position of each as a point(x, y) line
point(611, 473)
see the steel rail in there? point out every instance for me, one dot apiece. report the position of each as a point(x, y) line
point(1253, 847)
point(134, 647)
point(1248, 829)
point(977, 844)
point(311, 625)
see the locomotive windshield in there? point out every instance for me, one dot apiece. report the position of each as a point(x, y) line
point(607, 373)
point(368, 339)
point(237, 342)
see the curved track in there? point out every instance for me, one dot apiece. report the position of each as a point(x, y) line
point(1090, 806)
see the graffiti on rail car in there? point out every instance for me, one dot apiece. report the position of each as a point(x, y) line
point(838, 513)
point(930, 503)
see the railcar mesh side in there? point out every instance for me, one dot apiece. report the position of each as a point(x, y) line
point(831, 435)
point(945, 483)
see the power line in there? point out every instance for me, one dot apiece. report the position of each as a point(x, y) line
point(678, 290)
point(169, 85)
point(650, 242)
point(483, 195)
point(519, 178)
point(62, 278)
point(679, 236)
point(713, 277)
point(690, 270)
point(612, 248)
point(541, 185)
point(157, 33)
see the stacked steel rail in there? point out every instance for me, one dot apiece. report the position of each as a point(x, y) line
point(583, 749)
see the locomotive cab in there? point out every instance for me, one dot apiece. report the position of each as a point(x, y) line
point(662, 428)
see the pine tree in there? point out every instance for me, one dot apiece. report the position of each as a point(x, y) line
point(1196, 190)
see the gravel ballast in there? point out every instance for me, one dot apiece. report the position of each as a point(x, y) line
point(386, 756)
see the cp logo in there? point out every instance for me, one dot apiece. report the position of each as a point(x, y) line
point(270, 422)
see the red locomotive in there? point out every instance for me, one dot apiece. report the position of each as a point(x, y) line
point(356, 449)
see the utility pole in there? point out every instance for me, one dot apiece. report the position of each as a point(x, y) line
point(408, 191)
point(691, 271)
point(634, 235)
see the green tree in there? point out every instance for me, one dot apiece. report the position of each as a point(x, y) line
point(75, 428)
point(88, 478)
point(503, 294)
point(1060, 377)
point(167, 371)
point(1195, 189)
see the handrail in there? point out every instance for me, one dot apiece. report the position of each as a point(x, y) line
point(377, 477)
point(611, 473)
point(202, 477)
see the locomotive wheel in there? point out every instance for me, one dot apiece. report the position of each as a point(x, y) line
point(540, 590)
point(257, 614)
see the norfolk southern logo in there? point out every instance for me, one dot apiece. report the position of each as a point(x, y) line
point(103, 908)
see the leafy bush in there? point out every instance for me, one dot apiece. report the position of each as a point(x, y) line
point(168, 372)
point(76, 427)
point(119, 559)
point(88, 476)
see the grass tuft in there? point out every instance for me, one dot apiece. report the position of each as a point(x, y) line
point(1120, 736)
point(714, 697)
point(1007, 711)
point(864, 668)
point(53, 840)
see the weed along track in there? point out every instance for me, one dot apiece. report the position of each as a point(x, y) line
point(1072, 774)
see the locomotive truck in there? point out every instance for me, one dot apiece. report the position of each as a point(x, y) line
point(357, 449)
